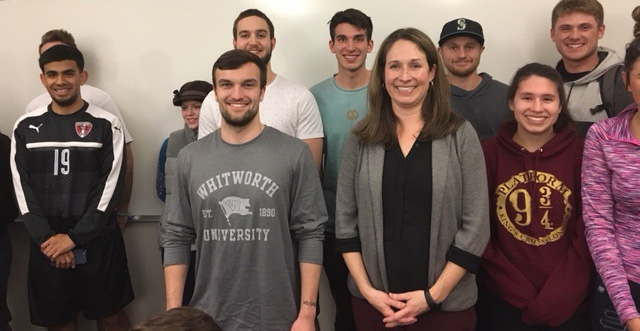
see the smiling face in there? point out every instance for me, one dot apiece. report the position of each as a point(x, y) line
point(576, 37)
point(63, 79)
point(536, 106)
point(190, 110)
point(238, 94)
point(350, 46)
point(461, 55)
point(407, 75)
point(253, 36)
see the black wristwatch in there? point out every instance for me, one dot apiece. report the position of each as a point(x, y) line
point(125, 213)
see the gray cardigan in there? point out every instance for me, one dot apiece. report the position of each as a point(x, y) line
point(459, 216)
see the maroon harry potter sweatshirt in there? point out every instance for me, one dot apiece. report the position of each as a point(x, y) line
point(537, 258)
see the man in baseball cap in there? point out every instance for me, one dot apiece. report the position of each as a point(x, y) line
point(476, 97)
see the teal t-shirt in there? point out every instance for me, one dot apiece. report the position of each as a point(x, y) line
point(340, 109)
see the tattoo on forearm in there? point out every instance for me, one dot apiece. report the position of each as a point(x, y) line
point(309, 303)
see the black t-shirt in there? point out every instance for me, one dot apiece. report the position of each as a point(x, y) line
point(571, 77)
point(406, 205)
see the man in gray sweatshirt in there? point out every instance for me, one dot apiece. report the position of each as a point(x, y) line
point(591, 73)
point(478, 98)
point(250, 198)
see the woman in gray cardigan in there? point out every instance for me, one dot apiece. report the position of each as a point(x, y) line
point(412, 206)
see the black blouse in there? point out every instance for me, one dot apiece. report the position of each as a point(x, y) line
point(406, 206)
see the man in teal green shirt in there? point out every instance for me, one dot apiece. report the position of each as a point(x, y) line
point(342, 100)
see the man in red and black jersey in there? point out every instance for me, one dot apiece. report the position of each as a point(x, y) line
point(66, 160)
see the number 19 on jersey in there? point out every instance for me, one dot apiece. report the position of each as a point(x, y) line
point(61, 162)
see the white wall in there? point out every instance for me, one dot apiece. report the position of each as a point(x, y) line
point(141, 50)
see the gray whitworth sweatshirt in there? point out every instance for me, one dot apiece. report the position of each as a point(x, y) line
point(255, 210)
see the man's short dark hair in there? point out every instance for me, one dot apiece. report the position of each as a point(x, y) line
point(235, 59)
point(60, 53)
point(57, 35)
point(253, 12)
point(589, 7)
point(354, 17)
point(179, 319)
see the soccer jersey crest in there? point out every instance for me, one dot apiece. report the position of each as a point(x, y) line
point(83, 128)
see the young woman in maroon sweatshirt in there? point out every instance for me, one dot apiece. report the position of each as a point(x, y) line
point(536, 268)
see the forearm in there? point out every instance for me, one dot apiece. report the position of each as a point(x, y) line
point(161, 187)
point(33, 215)
point(92, 224)
point(37, 227)
point(174, 278)
point(125, 196)
point(604, 233)
point(309, 283)
point(315, 145)
point(354, 263)
point(575, 266)
point(502, 276)
point(616, 283)
point(448, 279)
point(633, 324)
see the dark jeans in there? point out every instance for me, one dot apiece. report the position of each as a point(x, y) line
point(5, 265)
point(370, 319)
point(337, 273)
point(603, 314)
point(190, 282)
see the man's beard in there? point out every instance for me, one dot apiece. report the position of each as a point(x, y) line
point(267, 57)
point(463, 73)
point(65, 102)
point(245, 119)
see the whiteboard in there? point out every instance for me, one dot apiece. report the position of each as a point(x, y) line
point(139, 51)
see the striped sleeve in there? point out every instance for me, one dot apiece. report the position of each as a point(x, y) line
point(598, 214)
point(32, 213)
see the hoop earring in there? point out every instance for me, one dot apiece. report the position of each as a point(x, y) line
point(431, 83)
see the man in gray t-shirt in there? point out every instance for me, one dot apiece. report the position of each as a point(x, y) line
point(250, 198)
